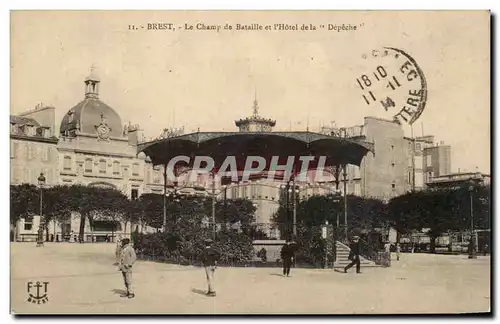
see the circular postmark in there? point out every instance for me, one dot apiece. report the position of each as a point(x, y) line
point(393, 81)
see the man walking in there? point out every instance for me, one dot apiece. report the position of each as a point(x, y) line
point(127, 260)
point(287, 257)
point(354, 255)
point(210, 257)
point(398, 250)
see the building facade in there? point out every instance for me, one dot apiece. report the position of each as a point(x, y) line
point(460, 179)
point(93, 148)
point(33, 152)
point(400, 164)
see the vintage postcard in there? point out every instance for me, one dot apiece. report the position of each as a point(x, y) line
point(250, 162)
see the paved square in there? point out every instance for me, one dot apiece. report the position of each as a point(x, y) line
point(82, 279)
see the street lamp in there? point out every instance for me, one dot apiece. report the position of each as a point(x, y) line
point(472, 243)
point(288, 195)
point(41, 182)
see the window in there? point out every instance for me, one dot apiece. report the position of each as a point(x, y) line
point(102, 166)
point(392, 147)
point(116, 167)
point(29, 151)
point(357, 189)
point(135, 169)
point(418, 147)
point(409, 176)
point(88, 165)
point(135, 193)
point(234, 192)
point(45, 153)
point(429, 160)
point(67, 163)
point(156, 176)
point(15, 150)
point(253, 191)
point(393, 186)
point(28, 225)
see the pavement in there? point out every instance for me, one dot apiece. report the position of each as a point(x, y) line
point(83, 280)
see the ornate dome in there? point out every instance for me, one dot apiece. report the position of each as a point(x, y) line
point(91, 115)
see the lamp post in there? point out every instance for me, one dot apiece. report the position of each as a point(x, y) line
point(345, 200)
point(41, 182)
point(294, 192)
point(289, 195)
point(164, 198)
point(472, 243)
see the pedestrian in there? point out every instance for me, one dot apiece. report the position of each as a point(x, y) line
point(485, 250)
point(210, 257)
point(287, 255)
point(127, 260)
point(398, 250)
point(118, 248)
point(354, 255)
point(387, 254)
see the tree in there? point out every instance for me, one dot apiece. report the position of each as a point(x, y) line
point(102, 204)
point(24, 202)
point(58, 205)
point(441, 210)
point(363, 213)
point(152, 208)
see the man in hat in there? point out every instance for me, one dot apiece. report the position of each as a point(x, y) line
point(118, 250)
point(354, 255)
point(287, 254)
point(127, 260)
point(210, 257)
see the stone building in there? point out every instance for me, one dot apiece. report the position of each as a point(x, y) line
point(400, 163)
point(33, 151)
point(94, 148)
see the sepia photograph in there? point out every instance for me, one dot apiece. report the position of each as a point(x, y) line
point(250, 162)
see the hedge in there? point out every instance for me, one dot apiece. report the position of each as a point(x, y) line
point(235, 248)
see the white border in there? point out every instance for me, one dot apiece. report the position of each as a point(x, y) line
point(212, 5)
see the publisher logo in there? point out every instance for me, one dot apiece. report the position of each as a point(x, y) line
point(37, 292)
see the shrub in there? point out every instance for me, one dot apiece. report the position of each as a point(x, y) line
point(235, 248)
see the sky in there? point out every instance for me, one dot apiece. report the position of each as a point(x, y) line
point(207, 79)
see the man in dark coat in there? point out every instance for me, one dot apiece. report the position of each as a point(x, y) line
point(287, 255)
point(127, 260)
point(354, 255)
point(209, 258)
